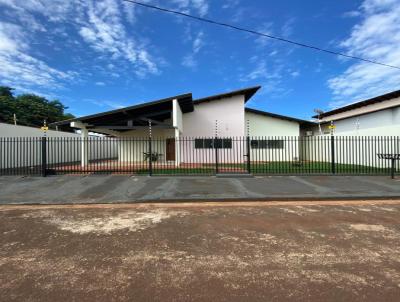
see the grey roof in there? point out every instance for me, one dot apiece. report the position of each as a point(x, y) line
point(378, 99)
point(282, 117)
point(247, 92)
point(185, 101)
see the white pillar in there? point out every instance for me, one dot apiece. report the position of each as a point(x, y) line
point(84, 147)
point(177, 149)
point(177, 123)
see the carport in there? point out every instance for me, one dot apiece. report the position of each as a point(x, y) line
point(161, 118)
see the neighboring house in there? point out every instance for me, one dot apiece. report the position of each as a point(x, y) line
point(378, 116)
point(175, 118)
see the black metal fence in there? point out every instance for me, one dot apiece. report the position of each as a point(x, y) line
point(342, 155)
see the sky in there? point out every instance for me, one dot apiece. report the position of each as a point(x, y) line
point(98, 55)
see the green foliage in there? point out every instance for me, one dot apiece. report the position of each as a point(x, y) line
point(30, 109)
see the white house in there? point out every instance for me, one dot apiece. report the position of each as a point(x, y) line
point(377, 116)
point(220, 119)
point(362, 130)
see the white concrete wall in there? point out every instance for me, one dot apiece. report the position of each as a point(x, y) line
point(132, 144)
point(229, 114)
point(263, 127)
point(21, 146)
point(177, 116)
point(17, 152)
point(354, 150)
point(8, 130)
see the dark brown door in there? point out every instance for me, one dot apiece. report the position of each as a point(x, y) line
point(170, 152)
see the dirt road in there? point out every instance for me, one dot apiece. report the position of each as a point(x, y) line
point(275, 251)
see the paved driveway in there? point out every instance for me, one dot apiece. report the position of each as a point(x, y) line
point(117, 188)
point(302, 251)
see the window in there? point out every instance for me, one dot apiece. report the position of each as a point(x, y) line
point(208, 143)
point(267, 144)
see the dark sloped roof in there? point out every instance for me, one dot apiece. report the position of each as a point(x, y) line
point(378, 99)
point(247, 92)
point(282, 117)
point(163, 105)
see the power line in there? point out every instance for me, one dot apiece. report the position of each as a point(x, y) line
point(251, 31)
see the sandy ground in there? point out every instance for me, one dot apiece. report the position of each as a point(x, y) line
point(275, 251)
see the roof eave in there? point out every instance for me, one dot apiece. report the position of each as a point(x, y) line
point(247, 92)
point(184, 100)
point(279, 116)
point(377, 99)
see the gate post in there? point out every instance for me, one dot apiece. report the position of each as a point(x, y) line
point(150, 158)
point(248, 154)
point(44, 156)
point(216, 155)
point(393, 168)
point(333, 167)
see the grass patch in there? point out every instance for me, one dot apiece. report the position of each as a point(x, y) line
point(274, 168)
point(179, 171)
point(307, 168)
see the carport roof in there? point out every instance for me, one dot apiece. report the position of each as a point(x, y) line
point(159, 109)
point(156, 110)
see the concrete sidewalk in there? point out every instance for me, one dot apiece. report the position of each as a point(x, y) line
point(123, 189)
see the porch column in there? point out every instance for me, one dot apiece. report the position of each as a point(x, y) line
point(84, 147)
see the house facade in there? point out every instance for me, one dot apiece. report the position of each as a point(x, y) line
point(362, 130)
point(186, 130)
point(377, 116)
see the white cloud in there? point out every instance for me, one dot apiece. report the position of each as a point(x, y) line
point(270, 75)
point(228, 4)
point(104, 31)
point(18, 68)
point(199, 6)
point(106, 103)
point(100, 23)
point(288, 28)
point(265, 28)
point(260, 71)
point(352, 14)
point(375, 37)
point(197, 44)
point(189, 61)
point(295, 74)
point(100, 83)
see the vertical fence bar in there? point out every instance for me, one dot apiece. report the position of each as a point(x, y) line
point(248, 155)
point(333, 154)
point(150, 159)
point(216, 156)
point(44, 156)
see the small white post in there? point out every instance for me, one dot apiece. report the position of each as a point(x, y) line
point(84, 147)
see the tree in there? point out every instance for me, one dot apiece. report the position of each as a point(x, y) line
point(7, 104)
point(6, 91)
point(30, 109)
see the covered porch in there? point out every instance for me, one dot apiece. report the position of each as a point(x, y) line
point(159, 120)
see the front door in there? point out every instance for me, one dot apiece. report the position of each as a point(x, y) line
point(170, 152)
